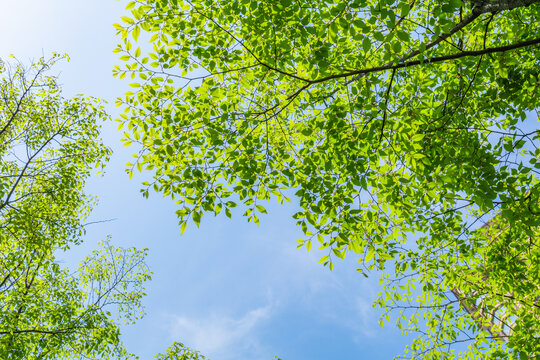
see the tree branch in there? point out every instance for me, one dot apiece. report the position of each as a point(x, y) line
point(432, 60)
point(486, 6)
point(386, 104)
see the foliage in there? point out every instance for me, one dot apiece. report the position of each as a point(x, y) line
point(48, 147)
point(178, 351)
point(399, 127)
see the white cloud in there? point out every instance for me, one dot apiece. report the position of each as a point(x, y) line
point(368, 318)
point(220, 336)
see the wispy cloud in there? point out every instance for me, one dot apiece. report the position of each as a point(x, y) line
point(220, 336)
point(368, 318)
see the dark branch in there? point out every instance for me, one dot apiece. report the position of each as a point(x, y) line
point(486, 6)
point(386, 104)
point(432, 60)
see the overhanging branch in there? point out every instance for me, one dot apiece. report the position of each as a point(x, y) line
point(487, 6)
point(432, 60)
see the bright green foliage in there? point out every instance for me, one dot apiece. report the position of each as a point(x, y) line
point(399, 126)
point(177, 351)
point(48, 147)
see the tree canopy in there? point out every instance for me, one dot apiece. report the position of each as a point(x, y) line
point(49, 145)
point(399, 127)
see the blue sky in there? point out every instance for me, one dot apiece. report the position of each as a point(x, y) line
point(231, 289)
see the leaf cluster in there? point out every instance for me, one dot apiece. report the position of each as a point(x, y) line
point(49, 146)
point(398, 127)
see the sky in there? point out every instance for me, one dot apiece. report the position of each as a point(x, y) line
point(230, 289)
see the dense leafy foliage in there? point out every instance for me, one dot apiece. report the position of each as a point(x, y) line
point(48, 147)
point(399, 126)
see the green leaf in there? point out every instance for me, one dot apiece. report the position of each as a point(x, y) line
point(127, 20)
point(366, 44)
point(196, 216)
point(135, 33)
point(370, 255)
point(183, 228)
point(261, 209)
point(323, 259)
point(403, 35)
point(378, 36)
